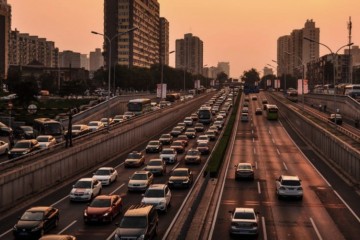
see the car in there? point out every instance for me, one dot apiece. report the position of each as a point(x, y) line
point(106, 175)
point(23, 147)
point(134, 159)
point(245, 110)
point(218, 124)
point(244, 221)
point(36, 221)
point(194, 116)
point(129, 115)
point(189, 121)
point(336, 118)
point(258, 111)
point(4, 147)
point(180, 178)
point(199, 127)
point(79, 129)
point(107, 121)
point(85, 189)
point(5, 130)
point(244, 170)
point(264, 101)
point(176, 131)
point(220, 118)
point(190, 133)
point(183, 138)
point(158, 195)
point(214, 128)
point(166, 139)
point(203, 148)
point(103, 208)
point(182, 125)
point(140, 181)
point(289, 186)
point(254, 98)
point(58, 237)
point(139, 222)
point(244, 117)
point(211, 134)
point(193, 155)
point(203, 138)
point(178, 145)
point(96, 125)
point(154, 146)
point(156, 166)
point(24, 132)
point(119, 118)
point(169, 155)
point(222, 113)
point(46, 141)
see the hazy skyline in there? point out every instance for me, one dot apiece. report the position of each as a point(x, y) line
point(241, 32)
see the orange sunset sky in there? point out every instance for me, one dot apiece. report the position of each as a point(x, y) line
point(242, 32)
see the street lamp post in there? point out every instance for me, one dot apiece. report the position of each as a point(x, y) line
point(162, 75)
point(274, 68)
point(109, 64)
point(334, 55)
point(303, 77)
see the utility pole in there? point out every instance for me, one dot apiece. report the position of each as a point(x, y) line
point(350, 55)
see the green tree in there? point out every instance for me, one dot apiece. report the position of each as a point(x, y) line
point(26, 90)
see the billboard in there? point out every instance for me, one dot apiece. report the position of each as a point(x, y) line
point(277, 83)
point(158, 90)
point(306, 86)
point(197, 84)
point(268, 82)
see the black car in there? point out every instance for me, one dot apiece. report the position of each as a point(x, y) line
point(153, 146)
point(23, 147)
point(24, 132)
point(35, 222)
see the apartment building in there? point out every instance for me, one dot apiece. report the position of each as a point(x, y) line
point(70, 59)
point(224, 67)
point(164, 40)
point(96, 60)
point(5, 28)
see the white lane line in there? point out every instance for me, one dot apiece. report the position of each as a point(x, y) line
point(259, 188)
point(68, 226)
point(315, 228)
point(273, 141)
point(111, 235)
point(252, 132)
point(59, 201)
point(269, 132)
point(254, 151)
point(8, 231)
point(285, 166)
point(256, 166)
point(353, 213)
point(277, 150)
point(119, 165)
point(117, 189)
point(264, 228)
point(175, 166)
point(253, 139)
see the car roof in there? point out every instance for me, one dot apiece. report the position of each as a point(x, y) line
point(287, 177)
point(138, 210)
point(181, 169)
point(248, 210)
point(155, 160)
point(157, 186)
point(39, 208)
point(86, 179)
point(106, 168)
point(105, 196)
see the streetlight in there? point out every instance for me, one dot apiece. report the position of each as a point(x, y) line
point(162, 75)
point(334, 55)
point(274, 68)
point(109, 64)
point(284, 68)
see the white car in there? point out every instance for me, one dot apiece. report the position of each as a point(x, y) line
point(119, 118)
point(85, 189)
point(158, 195)
point(4, 147)
point(156, 167)
point(189, 121)
point(129, 115)
point(140, 181)
point(169, 155)
point(244, 221)
point(96, 125)
point(106, 175)
point(203, 138)
point(289, 186)
point(46, 141)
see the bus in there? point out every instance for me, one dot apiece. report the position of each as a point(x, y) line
point(172, 97)
point(47, 126)
point(139, 106)
point(205, 115)
point(353, 90)
point(272, 112)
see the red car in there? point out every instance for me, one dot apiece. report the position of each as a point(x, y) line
point(104, 208)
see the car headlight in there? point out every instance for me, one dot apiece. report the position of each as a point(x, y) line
point(85, 213)
point(106, 214)
point(87, 192)
point(141, 237)
point(15, 228)
point(186, 181)
point(170, 181)
point(37, 228)
point(162, 202)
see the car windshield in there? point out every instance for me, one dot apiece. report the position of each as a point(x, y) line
point(100, 203)
point(182, 137)
point(93, 124)
point(244, 215)
point(180, 173)
point(42, 139)
point(177, 144)
point(153, 143)
point(154, 193)
point(203, 138)
point(22, 145)
point(76, 128)
point(165, 136)
point(102, 172)
point(83, 184)
point(177, 129)
point(193, 153)
point(244, 167)
point(133, 222)
point(32, 216)
point(290, 183)
point(139, 177)
point(155, 163)
point(202, 144)
point(134, 155)
point(27, 128)
point(170, 151)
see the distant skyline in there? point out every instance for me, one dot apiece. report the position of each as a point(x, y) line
point(243, 33)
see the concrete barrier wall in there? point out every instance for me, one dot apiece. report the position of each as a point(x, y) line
point(52, 169)
point(342, 156)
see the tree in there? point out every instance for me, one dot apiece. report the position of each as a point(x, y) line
point(250, 77)
point(26, 90)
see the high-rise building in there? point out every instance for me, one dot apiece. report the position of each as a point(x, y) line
point(5, 28)
point(25, 49)
point(96, 60)
point(84, 61)
point(268, 71)
point(293, 51)
point(136, 48)
point(189, 54)
point(164, 40)
point(224, 67)
point(70, 59)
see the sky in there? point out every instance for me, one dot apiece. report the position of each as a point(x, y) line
point(241, 32)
